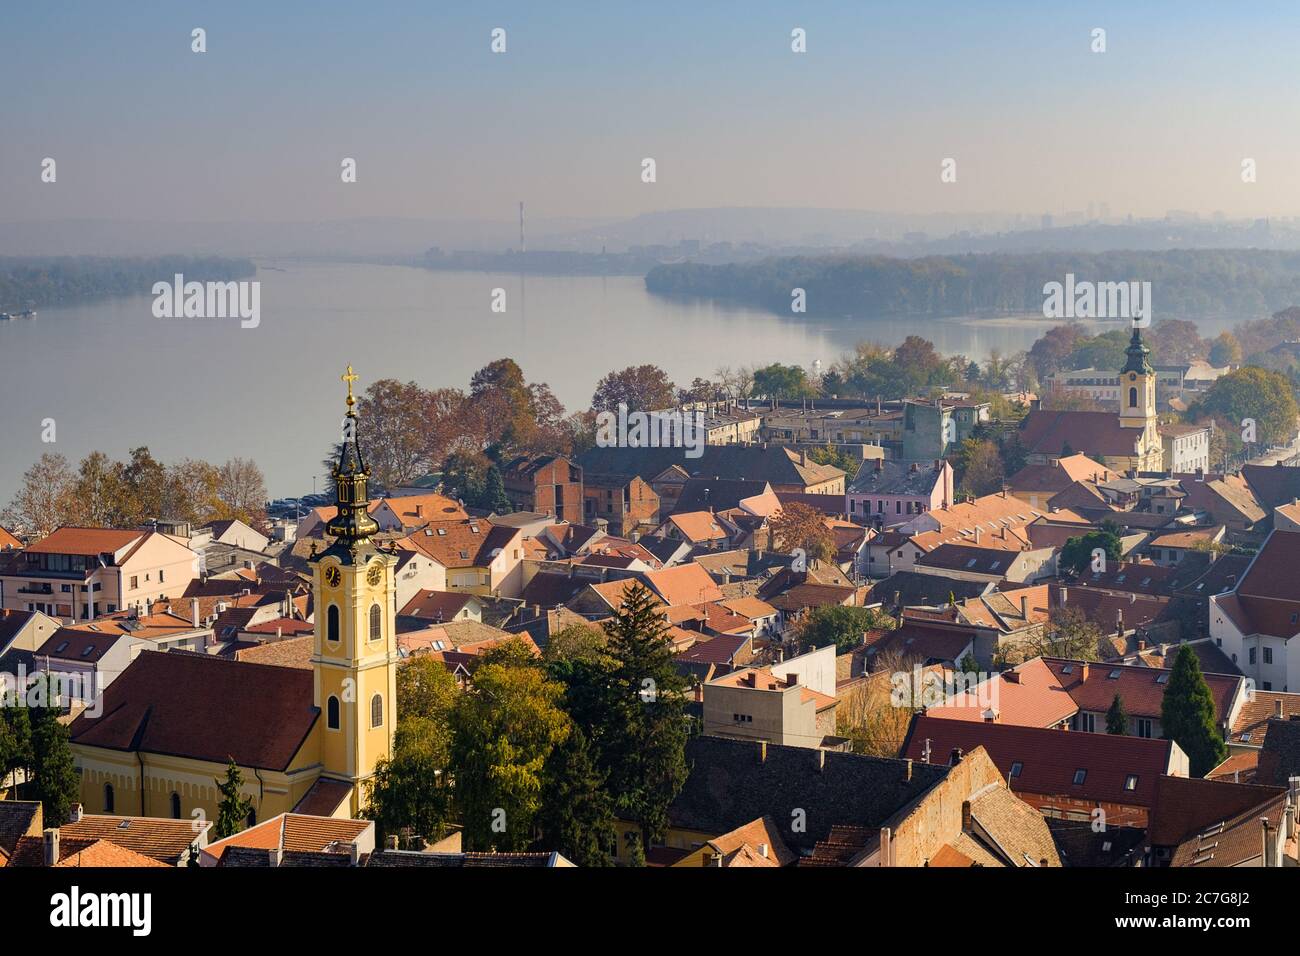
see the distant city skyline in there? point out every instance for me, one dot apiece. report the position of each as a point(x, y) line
point(255, 129)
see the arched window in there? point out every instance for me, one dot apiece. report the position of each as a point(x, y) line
point(332, 713)
point(332, 625)
point(252, 818)
point(108, 798)
point(377, 711)
point(1132, 398)
point(176, 805)
point(376, 622)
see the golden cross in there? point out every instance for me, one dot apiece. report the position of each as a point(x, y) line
point(350, 377)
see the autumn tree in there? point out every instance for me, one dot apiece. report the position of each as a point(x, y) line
point(800, 526)
point(1068, 634)
point(1225, 350)
point(642, 388)
point(394, 428)
point(46, 499)
point(241, 492)
point(980, 461)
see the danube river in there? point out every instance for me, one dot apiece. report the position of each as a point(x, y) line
point(112, 376)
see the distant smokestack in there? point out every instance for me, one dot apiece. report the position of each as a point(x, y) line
point(522, 246)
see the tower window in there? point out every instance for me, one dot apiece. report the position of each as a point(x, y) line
point(376, 622)
point(332, 713)
point(108, 798)
point(176, 805)
point(377, 711)
point(1132, 397)
point(332, 624)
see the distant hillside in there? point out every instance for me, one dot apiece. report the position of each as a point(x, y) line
point(32, 283)
point(1185, 283)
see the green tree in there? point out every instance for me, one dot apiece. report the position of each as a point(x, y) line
point(642, 738)
point(1117, 718)
point(233, 811)
point(57, 783)
point(1187, 715)
point(503, 732)
point(782, 381)
point(410, 794)
point(1076, 555)
point(577, 815)
point(425, 688)
point(840, 625)
point(494, 497)
point(15, 739)
point(1254, 393)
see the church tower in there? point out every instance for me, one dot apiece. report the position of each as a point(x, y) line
point(1137, 381)
point(1137, 406)
point(355, 644)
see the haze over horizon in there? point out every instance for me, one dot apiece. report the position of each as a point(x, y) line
point(254, 130)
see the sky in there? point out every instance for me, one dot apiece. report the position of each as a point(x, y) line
point(255, 129)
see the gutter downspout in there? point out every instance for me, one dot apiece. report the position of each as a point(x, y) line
point(140, 759)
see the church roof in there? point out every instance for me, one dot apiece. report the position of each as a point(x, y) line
point(204, 708)
point(1067, 433)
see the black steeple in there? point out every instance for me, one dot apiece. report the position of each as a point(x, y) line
point(353, 524)
point(1137, 353)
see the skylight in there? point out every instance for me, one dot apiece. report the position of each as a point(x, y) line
point(1131, 782)
point(1113, 675)
point(1079, 777)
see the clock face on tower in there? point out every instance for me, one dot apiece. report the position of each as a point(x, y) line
point(333, 576)
point(375, 574)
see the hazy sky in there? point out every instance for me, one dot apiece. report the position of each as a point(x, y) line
point(255, 129)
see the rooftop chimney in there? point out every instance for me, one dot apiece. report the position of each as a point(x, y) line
point(821, 760)
point(354, 853)
point(1083, 671)
point(907, 769)
point(965, 816)
point(390, 842)
point(277, 855)
point(1278, 708)
point(762, 850)
point(1064, 596)
point(954, 758)
point(762, 751)
point(1024, 607)
point(74, 815)
point(51, 846)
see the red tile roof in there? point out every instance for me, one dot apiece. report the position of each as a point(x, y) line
point(85, 542)
point(206, 708)
point(1094, 686)
point(1049, 759)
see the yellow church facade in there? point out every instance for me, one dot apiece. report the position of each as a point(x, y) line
point(164, 732)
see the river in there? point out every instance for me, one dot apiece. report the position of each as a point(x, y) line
point(112, 376)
